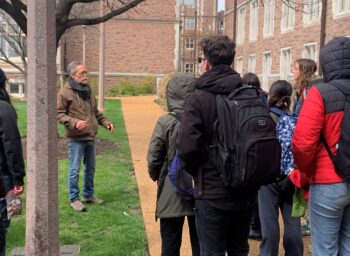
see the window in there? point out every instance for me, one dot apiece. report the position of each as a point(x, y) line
point(253, 20)
point(239, 65)
point(14, 88)
point(241, 25)
point(12, 40)
point(269, 16)
point(266, 65)
point(189, 43)
point(288, 14)
point(189, 22)
point(189, 68)
point(341, 6)
point(188, 2)
point(285, 63)
point(312, 10)
point(252, 63)
point(309, 51)
point(221, 26)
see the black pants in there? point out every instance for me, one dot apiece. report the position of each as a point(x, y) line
point(171, 232)
point(271, 200)
point(223, 226)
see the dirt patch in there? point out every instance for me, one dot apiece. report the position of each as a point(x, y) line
point(101, 147)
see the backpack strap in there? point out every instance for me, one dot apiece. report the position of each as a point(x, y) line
point(278, 111)
point(324, 142)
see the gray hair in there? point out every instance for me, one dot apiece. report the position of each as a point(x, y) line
point(72, 67)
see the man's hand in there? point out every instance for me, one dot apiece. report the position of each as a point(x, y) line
point(18, 190)
point(81, 125)
point(110, 127)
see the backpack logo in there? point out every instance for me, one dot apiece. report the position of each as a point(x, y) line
point(180, 179)
point(245, 149)
point(284, 130)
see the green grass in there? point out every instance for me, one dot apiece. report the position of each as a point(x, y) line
point(116, 227)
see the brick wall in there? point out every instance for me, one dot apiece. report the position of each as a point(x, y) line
point(296, 38)
point(140, 41)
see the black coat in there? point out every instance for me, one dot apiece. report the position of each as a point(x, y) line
point(196, 131)
point(11, 154)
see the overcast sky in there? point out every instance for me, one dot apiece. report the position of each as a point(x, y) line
point(221, 5)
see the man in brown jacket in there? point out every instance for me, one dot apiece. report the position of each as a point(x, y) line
point(77, 111)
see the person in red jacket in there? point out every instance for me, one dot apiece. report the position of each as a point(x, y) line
point(322, 113)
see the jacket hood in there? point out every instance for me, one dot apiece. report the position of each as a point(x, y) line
point(335, 59)
point(220, 79)
point(178, 89)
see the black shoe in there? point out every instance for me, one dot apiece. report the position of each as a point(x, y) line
point(255, 235)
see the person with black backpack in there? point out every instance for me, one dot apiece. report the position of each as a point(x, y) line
point(227, 141)
point(277, 197)
point(321, 144)
point(172, 208)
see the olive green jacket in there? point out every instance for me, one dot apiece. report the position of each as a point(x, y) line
point(71, 108)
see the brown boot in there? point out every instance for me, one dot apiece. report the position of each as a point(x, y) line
point(92, 200)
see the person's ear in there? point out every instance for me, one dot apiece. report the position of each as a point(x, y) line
point(206, 65)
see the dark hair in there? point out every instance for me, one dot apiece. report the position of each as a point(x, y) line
point(307, 69)
point(279, 94)
point(251, 79)
point(3, 92)
point(218, 50)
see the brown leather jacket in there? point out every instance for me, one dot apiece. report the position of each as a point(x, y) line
point(71, 108)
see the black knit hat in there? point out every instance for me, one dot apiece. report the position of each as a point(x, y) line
point(2, 76)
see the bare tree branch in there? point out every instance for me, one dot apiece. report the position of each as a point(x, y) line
point(97, 20)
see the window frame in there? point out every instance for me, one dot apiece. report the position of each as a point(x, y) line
point(285, 75)
point(270, 25)
point(241, 25)
point(190, 22)
point(291, 15)
point(253, 21)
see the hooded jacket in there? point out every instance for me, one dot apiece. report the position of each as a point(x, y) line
point(322, 112)
point(11, 154)
point(71, 108)
point(196, 133)
point(161, 149)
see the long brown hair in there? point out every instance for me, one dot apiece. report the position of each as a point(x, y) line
point(307, 69)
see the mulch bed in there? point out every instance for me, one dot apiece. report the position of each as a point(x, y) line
point(101, 147)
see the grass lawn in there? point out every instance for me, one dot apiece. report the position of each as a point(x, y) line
point(115, 228)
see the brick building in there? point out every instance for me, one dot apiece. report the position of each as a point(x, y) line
point(155, 38)
point(270, 37)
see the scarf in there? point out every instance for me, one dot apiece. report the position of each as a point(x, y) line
point(83, 90)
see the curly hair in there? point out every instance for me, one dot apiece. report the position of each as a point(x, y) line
point(218, 50)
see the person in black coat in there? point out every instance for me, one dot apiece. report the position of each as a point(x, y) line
point(11, 158)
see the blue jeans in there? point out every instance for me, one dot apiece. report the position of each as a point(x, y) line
point(271, 200)
point(77, 150)
point(330, 219)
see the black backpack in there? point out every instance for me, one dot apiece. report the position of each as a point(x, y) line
point(341, 160)
point(245, 148)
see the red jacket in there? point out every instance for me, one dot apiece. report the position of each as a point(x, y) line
point(309, 152)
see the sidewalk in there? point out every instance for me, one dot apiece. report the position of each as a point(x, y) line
point(140, 115)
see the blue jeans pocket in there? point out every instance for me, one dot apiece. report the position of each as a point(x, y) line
point(333, 191)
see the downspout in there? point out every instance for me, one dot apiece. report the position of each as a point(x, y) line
point(322, 32)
